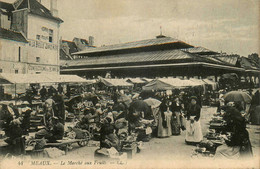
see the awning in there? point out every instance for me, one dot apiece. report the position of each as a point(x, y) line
point(147, 79)
point(8, 78)
point(135, 80)
point(198, 81)
point(115, 82)
point(70, 79)
point(212, 83)
point(169, 83)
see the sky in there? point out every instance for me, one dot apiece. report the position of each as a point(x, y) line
point(230, 26)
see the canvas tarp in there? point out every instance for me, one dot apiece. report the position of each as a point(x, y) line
point(212, 83)
point(169, 84)
point(115, 82)
point(8, 78)
point(135, 80)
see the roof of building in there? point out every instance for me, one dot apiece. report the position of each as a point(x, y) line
point(200, 50)
point(83, 41)
point(6, 6)
point(168, 56)
point(245, 63)
point(12, 35)
point(136, 44)
point(64, 55)
point(38, 9)
point(231, 59)
point(72, 46)
point(223, 58)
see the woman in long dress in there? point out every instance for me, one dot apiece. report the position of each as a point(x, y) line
point(193, 128)
point(164, 123)
point(176, 117)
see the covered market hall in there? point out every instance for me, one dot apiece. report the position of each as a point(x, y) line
point(160, 57)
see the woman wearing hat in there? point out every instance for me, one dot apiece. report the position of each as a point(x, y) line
point(193, 128)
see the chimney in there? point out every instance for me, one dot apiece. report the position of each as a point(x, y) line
point(91, 41)
point(53, 8)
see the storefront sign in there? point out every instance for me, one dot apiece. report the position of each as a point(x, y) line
point(43, 45)
point(42, 68)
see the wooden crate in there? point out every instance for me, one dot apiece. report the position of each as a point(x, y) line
point(131, 151)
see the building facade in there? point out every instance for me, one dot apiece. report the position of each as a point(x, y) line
point(40, 27)
point(13, 52)
point(76, 45)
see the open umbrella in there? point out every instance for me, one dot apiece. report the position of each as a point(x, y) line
point(236, 96)
point(140, 106)
point(153, 102)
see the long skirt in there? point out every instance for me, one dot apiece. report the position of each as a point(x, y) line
point(227, 152)
point(175, 124)
point(164, 131)
point(193, 131)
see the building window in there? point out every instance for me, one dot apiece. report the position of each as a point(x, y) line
point(38, 37)
point(38, 72)
point(38, 59)
point(1, 70)
point(19, 54)
point(16, 71)
point(9, 17)
point(50, 35)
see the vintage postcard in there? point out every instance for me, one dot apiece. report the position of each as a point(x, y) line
point(129, 84)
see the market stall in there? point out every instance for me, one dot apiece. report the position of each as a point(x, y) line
point(169, 84)
point(105, 83)
point(18, 83)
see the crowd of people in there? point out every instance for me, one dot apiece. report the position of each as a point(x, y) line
point(117, 115)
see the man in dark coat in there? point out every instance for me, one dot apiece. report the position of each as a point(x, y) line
point(43, 93)
point(59, 108)
point(60, 89)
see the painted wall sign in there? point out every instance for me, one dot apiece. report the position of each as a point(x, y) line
point(43, 45)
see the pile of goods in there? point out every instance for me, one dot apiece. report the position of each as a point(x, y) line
point(217, 122)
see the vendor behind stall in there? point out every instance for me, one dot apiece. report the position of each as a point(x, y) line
point(237, 144)
point(108, 138)
point(54, 131)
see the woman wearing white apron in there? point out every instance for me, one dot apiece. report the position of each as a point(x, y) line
point(193, 128)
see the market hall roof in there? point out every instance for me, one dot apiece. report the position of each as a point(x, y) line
point(247, 63)
point(200, 50)
point(36, 8)
point(166, 56)
point(12, 35)
point(231, 59)
point(156, 44)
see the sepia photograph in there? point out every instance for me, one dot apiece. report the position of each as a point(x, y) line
point(129, 84)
